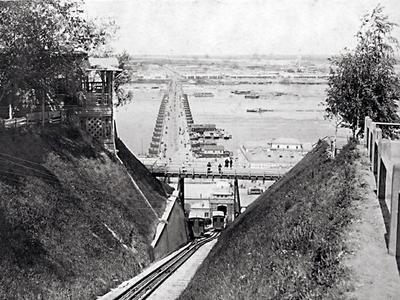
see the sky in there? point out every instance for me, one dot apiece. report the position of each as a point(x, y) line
point(237, 27)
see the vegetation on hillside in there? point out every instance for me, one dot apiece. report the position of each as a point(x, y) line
point(362, 81)
point(288, 244)
point(72, 225)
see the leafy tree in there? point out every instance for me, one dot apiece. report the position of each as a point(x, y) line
point(124, 96)
point(362, 81)
point(39, 42)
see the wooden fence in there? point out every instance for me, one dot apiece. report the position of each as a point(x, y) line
point(52, 117)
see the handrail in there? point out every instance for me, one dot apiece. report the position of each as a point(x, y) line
point(386, 124)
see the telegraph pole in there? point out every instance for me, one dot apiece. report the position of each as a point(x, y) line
point(236, 197)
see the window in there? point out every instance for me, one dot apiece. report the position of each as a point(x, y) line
point(206, 215)
point(287, 147)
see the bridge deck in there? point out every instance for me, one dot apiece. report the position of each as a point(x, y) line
point(226, 174)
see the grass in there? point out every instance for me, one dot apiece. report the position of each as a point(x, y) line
point(72, 225)
point(289, 242)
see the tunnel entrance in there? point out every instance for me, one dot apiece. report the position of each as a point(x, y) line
point(222, 208)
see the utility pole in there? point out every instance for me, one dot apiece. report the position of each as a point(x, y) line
point(236, 197)
point(181, 191)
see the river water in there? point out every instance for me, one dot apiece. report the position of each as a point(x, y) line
point(297, 113)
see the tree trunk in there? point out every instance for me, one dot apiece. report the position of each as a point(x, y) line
point(43, 107)
point(334, 141)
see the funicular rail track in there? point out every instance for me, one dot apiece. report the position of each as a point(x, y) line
point(148, 284)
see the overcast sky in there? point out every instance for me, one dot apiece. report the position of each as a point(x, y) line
point(229, 27)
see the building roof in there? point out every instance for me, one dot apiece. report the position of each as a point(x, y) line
point(200, 205)
point(213, 147)
point(201, 126)
point(286, 141)
point(216, 213)
point(104, 63)
point(195, 214)
point(222, 188)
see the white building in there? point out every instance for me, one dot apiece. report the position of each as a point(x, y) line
point(200, 208)
point(285, 144)
point(282, 153)
point(213, 150)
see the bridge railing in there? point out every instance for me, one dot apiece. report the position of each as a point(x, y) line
point(203, 170)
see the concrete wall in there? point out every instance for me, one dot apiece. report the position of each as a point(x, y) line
point(384, 155)
point(172, 232)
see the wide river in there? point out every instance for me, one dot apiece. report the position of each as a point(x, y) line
point(297, 113)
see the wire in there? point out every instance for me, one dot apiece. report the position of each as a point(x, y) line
point(57, 179)
point(36, 170)
point(74, 185)
point(136, 208)
point(27, 175)
point(32, 162)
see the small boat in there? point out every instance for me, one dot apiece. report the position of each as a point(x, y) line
point(204, 94)
point(227, 136)
point(208, 135)
point(258, 110)
point(194, 137)
point(236, 92)
point(252, 96)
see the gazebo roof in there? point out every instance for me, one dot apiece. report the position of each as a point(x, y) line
point(103, 63)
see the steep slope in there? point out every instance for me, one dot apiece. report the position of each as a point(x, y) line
point(150, 186)
point(72, 224)
point(288, 244)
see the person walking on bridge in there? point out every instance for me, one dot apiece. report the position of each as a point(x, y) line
point(226, 163)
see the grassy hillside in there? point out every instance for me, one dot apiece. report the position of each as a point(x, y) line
point(289, 243)
point(72, 225)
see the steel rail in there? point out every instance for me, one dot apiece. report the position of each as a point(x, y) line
point(149, 283)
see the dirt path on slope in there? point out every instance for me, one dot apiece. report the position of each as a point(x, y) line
point(373, 272)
